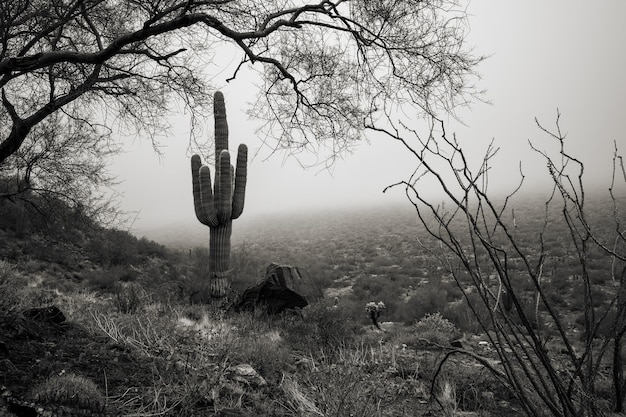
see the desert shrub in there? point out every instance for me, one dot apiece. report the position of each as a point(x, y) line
point(69, 390)
point(170, 292)
point(452, 290)
point(10, 284)
point(17, 293)
point(462, 316)
point(348, 391)
point(266, 354)
point(323, 328)
point(429, 298)
point(42, 248)
point(375, 287)
point(555, 295)
point(147, 247)
point(14, 216)
point(437, 329)
point(577, 295)
point(100, 279)
point(129, 298)
point(111, 247)
point(247, 268)
point(32, 266)
point(198, 264)
point(382, 260)
point(559, 283)
point(108, 279)
point(149, 331)
point(605, 322)
point(351, 310)
point(476, 389)
point(383, 288)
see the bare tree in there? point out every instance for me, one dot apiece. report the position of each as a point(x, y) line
point(326, 66)
point(507, 279)
point(62, 160)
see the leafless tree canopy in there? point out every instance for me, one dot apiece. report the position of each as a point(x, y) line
point(327, 66)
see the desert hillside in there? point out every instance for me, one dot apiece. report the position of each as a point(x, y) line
point(395, 334)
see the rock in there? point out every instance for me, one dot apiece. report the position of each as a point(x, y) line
point(291, 277)
point(283, 288)
point(50, 315)
point(246, 374)
point(277, 300)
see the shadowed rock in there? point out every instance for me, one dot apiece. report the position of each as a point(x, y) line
point(283, 288)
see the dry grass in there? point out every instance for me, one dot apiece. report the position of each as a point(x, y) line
point(168, 359)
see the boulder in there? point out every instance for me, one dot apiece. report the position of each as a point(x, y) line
point(282, 288)
point(292, 277)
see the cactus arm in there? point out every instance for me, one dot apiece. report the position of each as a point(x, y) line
point(196, 163)
point(241, 175)
point(223, 194)
point(207, 196)
point(232, 181)
point(221, 126)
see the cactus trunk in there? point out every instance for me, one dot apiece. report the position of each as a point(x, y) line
point(217, 205)
point(219, 258)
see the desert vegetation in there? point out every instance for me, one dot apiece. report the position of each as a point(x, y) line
point(139, 341)
point(451, 307)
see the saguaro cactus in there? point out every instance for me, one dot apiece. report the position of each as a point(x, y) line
point(219, 205)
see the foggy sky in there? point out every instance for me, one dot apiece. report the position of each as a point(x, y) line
point(542, 56)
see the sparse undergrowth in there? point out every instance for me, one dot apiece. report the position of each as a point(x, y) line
point(173, 359)
point(135, 334)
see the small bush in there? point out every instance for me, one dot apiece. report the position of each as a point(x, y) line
point(109, 279)
point(9, 287)
point(268, 356)
point(112, 247)
point(323, 328)
point(351, 391)
point(435, 328)
point(462, 316)
point(375, 287)
point(428, 299)
point(129, 298)
point(148, 247)
point(69, 390)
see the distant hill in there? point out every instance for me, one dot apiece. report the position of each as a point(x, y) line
point(189, 234)
point(178, 235)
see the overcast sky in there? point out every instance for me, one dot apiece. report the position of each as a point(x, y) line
point(542, 55)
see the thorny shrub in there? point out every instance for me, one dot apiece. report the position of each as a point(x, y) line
point(323, 327)
point(437, 329)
